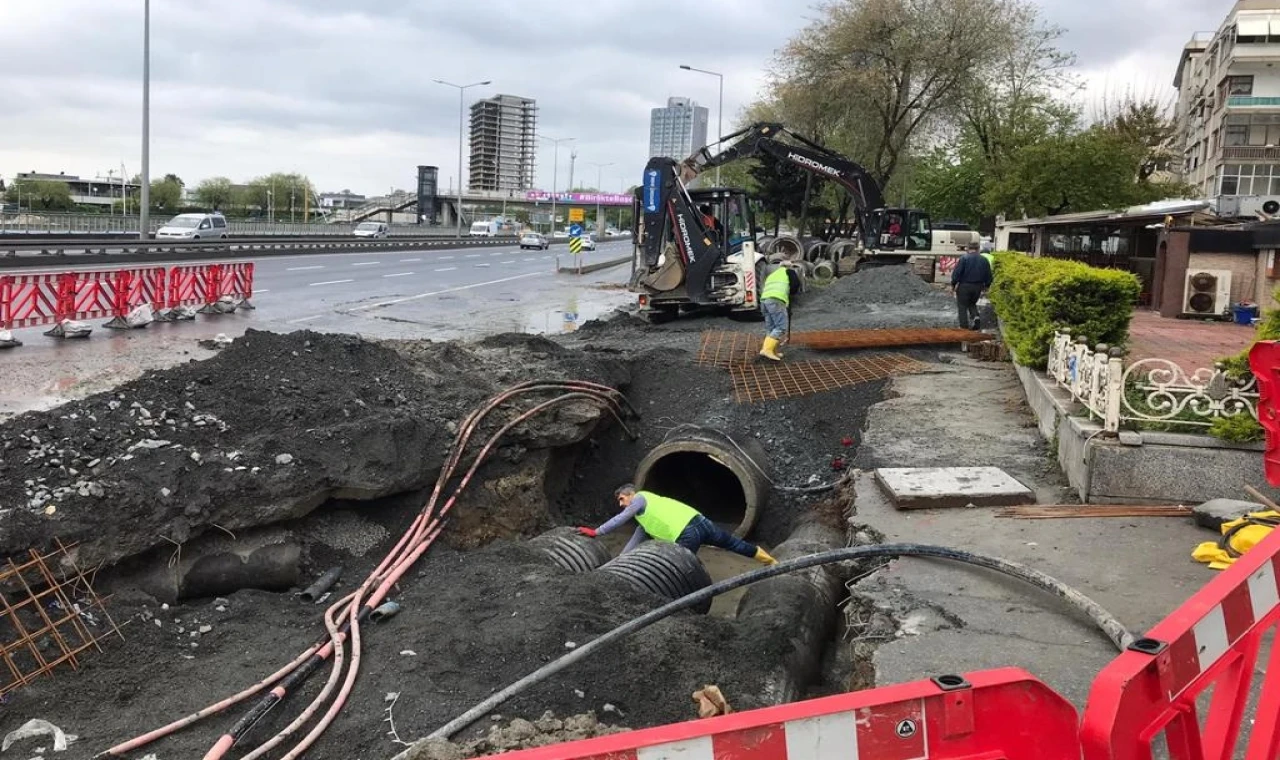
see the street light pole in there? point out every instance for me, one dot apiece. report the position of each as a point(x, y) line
point(555, 175)
point(719, 108)
point(462, 89)
point(599, 192)
point(144, 220)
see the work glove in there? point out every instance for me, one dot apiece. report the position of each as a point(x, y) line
point(588, 532)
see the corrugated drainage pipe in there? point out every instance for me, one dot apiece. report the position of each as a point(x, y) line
point(570, 550)
point(668, 570)
point(795, 614)
point(764, 244)
point(814, 249)
point(724, 478)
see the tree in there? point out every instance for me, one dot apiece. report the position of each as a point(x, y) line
point(1146, 122)
point(175, 179)
point(216, 193)
point(166, 195)
point(886, 70)
point(279, 195)
point(41, 194)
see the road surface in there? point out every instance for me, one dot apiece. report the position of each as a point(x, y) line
point(437, 295)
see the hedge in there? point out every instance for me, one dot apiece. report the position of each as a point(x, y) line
point(1036, 296)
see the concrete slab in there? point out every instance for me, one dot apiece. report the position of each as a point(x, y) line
point(938, 487)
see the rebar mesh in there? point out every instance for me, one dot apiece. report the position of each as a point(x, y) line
point(755, 382)
point(724, 348)
point(46, 620)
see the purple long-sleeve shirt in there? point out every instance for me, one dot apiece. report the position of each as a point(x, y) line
point(635, 508)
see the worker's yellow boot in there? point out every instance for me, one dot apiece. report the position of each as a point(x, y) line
point(770, 350)
point(763, 556)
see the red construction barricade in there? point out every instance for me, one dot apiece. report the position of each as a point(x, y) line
point(994, 714)
point(187, 287)
point(1204, 654)
point(27, 300)
point(1264, 361)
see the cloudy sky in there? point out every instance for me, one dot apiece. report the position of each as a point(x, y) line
point(246, 87)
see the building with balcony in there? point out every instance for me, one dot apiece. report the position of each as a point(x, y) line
point(101, 191)
point(1228, 110)
point(504, 139)
point(677, 130)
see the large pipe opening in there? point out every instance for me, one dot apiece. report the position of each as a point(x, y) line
point(703, 483)
point(707, 469)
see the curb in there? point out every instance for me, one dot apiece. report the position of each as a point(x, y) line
point(589, 268)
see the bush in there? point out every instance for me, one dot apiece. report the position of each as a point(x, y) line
point(1268, 328)
point(1242, 428)
point(1036, 296)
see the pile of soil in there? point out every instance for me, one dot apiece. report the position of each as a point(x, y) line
point(519, 734)
point(265, 431)
point(883, 286)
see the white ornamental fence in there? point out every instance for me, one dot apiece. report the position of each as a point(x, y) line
point(1147, 391)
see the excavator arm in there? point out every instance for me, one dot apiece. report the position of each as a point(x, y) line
point(666, 205)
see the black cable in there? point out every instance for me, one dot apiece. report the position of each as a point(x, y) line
point(1115, 631)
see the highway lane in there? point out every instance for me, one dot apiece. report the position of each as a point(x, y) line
point(437, 294)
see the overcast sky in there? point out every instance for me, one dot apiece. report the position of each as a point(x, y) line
point(246, 87)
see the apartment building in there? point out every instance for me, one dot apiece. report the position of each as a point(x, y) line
point(677, 130)
point(503, 143)
point(1228, 110)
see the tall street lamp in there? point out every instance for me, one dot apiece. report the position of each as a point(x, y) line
point(719, 108)
point(144, 208)
point(461, 88)
point(599, 192)
point(555, 175)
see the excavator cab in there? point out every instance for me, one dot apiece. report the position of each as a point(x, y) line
point(898, 229)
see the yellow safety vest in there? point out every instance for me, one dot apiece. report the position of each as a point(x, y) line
point(777, 286)
point(664, 519)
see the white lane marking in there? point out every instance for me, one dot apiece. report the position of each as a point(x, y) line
point(530, 258)
point(256, 291)
point(446, 269)
point(406, 261)
point(473, 255)
point(328, 282)
point(365, 264)
point(398, 274)
point(445, 258)
point(508, 261)
point(546, 258)
point(302, 269)
point(395, 301)
point(483, 265)
point(499, 253)
point(304, 319)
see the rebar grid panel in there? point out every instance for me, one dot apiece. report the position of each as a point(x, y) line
point(757, 382)
point(45, 621)
point(724, 348)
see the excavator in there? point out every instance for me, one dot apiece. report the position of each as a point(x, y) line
point(697, 248)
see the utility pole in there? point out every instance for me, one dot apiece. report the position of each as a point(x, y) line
point(462, 88)
point(719, 109)
point(573, 159)
point(555, 175)
point(144, 220)
point(599, 192)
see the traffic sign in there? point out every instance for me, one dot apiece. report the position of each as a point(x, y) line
point(575, 245)
point(575, 230)
point(577, 215)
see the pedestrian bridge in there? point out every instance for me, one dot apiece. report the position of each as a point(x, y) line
point(403, 202)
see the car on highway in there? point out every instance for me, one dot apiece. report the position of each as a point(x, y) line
point(194, 227)
point(588, 242)
point(370, 230)
point(534, 240)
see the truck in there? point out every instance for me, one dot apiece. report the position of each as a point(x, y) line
point(698, 248)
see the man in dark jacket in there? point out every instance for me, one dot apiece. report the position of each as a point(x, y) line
point(969, 280)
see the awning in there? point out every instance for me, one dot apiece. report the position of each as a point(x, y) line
point(1253, 25)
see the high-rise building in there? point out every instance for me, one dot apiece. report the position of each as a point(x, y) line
point(1228, 112)
point(677, 130)
point(503, 143)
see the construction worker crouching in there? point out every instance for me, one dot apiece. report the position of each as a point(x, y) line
point(664, 519)
point(780, 287)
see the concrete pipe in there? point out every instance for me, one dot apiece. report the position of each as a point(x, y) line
point(215, 565)
point(824, 271)
point(722, 477)
point(788, 246)
point(796, 614)
point(570, 550)
point(840, 248)
point(667, 570)
point(764, 244)
point(814, 249)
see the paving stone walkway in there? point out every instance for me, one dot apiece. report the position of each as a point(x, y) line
point(1190, 343)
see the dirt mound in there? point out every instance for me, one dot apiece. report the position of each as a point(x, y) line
point(265, 431)
point(519, 734)
point(896, 285)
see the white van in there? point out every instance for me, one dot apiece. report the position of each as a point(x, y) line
point(194, 227)
point(371, 230)
point(482, 229)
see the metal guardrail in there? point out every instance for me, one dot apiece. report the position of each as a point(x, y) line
point(47, 223)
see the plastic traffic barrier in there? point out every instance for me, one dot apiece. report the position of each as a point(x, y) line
point(1187, 684)
point(1264, 361)
point(988, 715)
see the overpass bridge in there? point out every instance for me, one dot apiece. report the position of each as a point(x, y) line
point(445, 207)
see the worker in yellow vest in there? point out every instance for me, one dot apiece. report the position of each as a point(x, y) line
point(780, 287)
point(664, 519)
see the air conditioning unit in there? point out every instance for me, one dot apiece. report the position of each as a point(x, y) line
point(1208, 292)
point(1251, 206)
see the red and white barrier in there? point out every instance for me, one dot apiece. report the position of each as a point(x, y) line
point(1205, 655)
point(994, 714)
point(28, 300)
